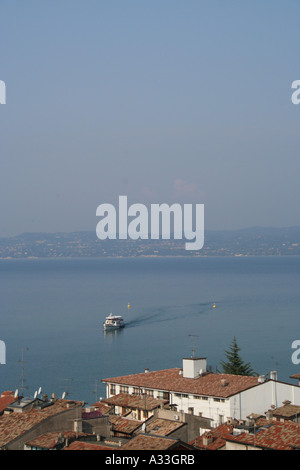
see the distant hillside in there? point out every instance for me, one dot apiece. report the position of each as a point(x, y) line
point(255, 241)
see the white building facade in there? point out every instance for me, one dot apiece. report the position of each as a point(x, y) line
point(218, 397)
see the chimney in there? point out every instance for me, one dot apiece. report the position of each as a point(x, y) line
point(261, 379)
point(207, 439)
point(273, 375)
point(193, 367)
point(77, 425)
point(224, 383)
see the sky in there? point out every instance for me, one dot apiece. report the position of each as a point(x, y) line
point(163, 101)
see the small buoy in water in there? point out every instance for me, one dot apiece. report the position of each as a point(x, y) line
point(128, 306)
point(214, 305)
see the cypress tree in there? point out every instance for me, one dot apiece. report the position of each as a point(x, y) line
point(235, 365)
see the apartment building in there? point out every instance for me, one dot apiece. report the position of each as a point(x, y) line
point(195, 390)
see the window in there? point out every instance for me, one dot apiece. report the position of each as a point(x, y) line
point(123, 389)
point(163, 395)
point(112, 389)
point(181, 395)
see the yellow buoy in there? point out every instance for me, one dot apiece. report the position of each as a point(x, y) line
point(128, 306)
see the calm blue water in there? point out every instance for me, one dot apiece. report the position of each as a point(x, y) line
point(56, 309)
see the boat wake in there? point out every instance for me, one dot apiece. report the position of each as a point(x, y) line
point(170, 313)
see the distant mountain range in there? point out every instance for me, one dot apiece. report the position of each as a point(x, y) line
point(255, 241)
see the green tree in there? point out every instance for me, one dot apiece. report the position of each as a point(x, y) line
point(235, 365)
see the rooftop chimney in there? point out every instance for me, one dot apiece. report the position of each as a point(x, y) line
point(193, 367)
point(273, 375)
point(207, 439)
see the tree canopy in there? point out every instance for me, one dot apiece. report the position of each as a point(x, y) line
point(235, 365)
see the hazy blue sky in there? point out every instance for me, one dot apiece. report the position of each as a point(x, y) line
point(160, 100)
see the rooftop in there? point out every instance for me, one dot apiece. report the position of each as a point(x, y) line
point(14, 425)
point(139, 402)
point(286, 411)
point(50, 439)
point(6, 399)
point(123, 425)
point(213, 439)
point(209, 384)
point(150, 442)
point(273, 435)
point(78, 445)
point(163, 427)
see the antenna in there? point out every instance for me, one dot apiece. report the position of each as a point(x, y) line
point(16, 393)
point(193, 339)
point(67, 380)
point(23, 387)
point(35, 394)
point(96, 390)
point(64, 395)
point(40, 391)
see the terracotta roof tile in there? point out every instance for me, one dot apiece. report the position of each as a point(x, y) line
point(78, 445)
point(16, 424)
point(287, 411)
point(271, 435)
point(134, 401)
point(170, 380)
point(124, 425)
point(216, 438)
point(146, 442)
point(163, 427)
point(5, 399)
point(50, 439)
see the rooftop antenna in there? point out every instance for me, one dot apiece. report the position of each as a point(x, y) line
point(39, 390)
point(22, 362)
point(193, 339)
point(16, 393)
point(96, 390)
point(66, 392)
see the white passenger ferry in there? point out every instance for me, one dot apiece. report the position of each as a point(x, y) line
point(113, 322)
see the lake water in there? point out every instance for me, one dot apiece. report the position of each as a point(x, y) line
point(55, 308)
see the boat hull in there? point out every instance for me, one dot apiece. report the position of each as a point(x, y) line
point(112, 327)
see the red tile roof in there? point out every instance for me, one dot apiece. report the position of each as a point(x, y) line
point(273, 435)
point(105, 409)
point(50, 439)
point(147, 442)
point(216, 438)
point(124, 425)
point(170, 380)
point(162, 427)
point(14, 425)
point(78, 445)
point(140, 402)
point(5, 399)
